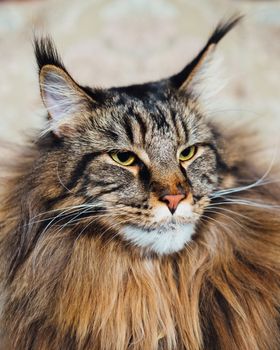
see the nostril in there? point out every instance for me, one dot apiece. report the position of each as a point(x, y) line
point(172, 201)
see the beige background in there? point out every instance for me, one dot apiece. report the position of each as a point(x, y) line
point(113, 42)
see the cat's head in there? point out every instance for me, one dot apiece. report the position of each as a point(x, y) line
point(139, 161)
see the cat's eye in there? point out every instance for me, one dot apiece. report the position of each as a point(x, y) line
point(123, 158)
point(187, 153)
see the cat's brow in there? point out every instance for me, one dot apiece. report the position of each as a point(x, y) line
point(142, 154)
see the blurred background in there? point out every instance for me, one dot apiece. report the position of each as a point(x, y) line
point(118, 42)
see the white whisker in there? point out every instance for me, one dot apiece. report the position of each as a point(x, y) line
point(259, 182)
point(60, 181)
point(229, 211)
point(228, 217)
point(228, 201)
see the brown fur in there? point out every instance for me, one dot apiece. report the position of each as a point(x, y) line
point(221, 292)
point(80, 285)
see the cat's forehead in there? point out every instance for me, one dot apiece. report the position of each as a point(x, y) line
point(157, 121)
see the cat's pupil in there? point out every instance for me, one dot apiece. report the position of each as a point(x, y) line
point(186, 152)
point(124, 156)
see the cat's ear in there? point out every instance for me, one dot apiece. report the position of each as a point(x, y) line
point(63, 98)
point(193, 78)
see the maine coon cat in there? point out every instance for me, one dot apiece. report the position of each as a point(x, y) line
point(135, 222)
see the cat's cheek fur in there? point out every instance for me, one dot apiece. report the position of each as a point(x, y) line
point(165, 240)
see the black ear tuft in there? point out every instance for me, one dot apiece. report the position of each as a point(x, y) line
point(221, 30)
point(46, 53)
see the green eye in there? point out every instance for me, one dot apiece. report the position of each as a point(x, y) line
point(123, 158)
point(187, 153)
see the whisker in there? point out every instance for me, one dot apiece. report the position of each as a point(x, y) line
point(60, 181)
point(258, 182)
point(61, 230)
point(231, 201)
point(228, 217)
point(206, 219)
point(61, 216)
point(231, 212)
point(75, 207)
point(97, 215)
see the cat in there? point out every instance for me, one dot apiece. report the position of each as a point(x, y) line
point(135, 221)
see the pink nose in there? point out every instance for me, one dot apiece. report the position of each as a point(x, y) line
point(172, 201)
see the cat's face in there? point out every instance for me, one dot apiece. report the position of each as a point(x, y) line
point(141, 160)
point(156, 200)
point(148, 165)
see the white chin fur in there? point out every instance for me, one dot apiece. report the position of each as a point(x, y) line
point(164, 240)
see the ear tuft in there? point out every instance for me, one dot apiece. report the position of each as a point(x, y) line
point(223, 28)
point(190, 75)
point(46, 53)
point(63, 98)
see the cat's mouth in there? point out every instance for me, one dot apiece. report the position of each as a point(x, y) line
point(162, 232)
point(169, 223)
point(167, 238)
point(166, 233)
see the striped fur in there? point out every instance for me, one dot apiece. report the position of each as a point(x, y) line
point(72, 276)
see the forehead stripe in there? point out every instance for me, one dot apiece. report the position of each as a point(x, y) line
point(160, 119)
point(80, 168)
point(179, 124)
point(128, 128)
point(173, 117)
point(184, 127)
point(142, 125)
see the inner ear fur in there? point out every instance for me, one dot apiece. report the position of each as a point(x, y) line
point(63, 98)
point(57, 82)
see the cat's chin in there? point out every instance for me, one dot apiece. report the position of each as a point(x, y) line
point(165, 239)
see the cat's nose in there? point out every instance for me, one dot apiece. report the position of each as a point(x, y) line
point(172, 201)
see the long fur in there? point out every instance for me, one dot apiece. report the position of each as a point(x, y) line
point(221, 292)
point(69, 282)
